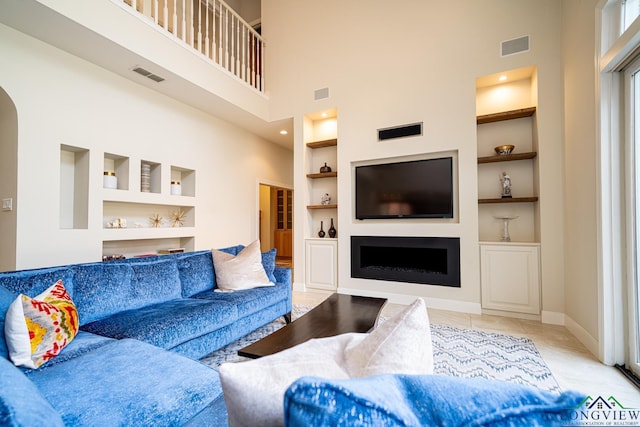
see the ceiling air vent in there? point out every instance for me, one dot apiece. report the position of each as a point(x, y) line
point(513, 46)
point(148, 74)
point(400, 131)
point(321, 94)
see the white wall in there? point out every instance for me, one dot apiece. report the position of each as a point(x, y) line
point(581, 284)
point(61, 99)
point(386, 65)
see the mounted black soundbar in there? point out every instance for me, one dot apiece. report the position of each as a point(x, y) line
point(400, 131)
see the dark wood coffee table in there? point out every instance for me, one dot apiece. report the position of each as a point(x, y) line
point(337, 315)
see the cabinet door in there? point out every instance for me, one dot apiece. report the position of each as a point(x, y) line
point(510, 276)
point(321, 266)
point(283, 243)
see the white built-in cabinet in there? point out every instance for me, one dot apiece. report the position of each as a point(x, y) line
point(320, 155)
point(509, 271)
point(321, 266)
point(510, 277)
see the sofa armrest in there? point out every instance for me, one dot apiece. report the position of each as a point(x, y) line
point(283, 275)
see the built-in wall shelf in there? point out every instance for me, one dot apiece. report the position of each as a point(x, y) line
point(509, 200)
point(322, 175)
point(322, 206)
point(116, 234)
point(324, 143)
point(506, 115)
point(507, 157)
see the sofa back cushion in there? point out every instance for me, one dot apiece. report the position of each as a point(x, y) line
point(103, 289)
point(21, 403)
point(155, 282)
point(34, 282)
point(30, 283)
point(196, 272)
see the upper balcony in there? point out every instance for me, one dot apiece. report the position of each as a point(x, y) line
point(199, 52)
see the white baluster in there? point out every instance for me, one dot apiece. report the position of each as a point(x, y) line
point(233, 45)
point(206, 29)
point(220, 42)
point(245, 62)
point(214, 42)
point(261, 88)
point(200, 26)
point(165, 15)
point(192, 41)
point(184, 21)
point(175, 18)
point(155, 11)
point(226, 32)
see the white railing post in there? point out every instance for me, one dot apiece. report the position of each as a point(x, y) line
point(165, 15)
point(206, 29)
point(183, 21)
point(174, 18)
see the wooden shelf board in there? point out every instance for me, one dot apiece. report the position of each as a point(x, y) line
point(322, 206)
point(507, 158)
point(509, 200)
point(325, 143)
point(322, 175)
point(506, 115)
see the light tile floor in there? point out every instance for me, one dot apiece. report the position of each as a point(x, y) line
point(572, 365)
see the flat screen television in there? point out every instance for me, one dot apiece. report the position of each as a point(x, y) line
point(412, 189)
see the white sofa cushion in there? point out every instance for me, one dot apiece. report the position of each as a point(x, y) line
point(242, 271)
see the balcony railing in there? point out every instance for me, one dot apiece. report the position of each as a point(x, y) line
point(213, 29)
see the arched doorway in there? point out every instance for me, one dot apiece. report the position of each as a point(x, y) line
point(8, 181)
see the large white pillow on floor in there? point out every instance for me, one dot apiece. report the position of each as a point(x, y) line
point(254, 390)
point(242, 271)
point(401, 345)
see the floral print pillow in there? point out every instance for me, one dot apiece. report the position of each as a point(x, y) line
point(37, 329)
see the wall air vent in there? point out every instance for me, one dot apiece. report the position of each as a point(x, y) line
point(513, 46)
point(148, 74)
point(400, 131)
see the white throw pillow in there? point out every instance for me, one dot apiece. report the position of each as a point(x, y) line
point(401, 345)
point(254, 390)
point(242, 271)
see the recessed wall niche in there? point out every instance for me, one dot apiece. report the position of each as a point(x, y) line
point(119, 165)
point(74, 187)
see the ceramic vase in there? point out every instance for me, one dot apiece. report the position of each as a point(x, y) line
point(321, 232)
point(332, 230)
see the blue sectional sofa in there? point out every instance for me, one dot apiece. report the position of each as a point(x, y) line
point(139, 318)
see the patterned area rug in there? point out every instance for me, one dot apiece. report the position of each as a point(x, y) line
point(466, 353)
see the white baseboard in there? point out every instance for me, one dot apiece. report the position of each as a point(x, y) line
point(299, 287)
point(583, 336)
point(436, 303)
point(553, 318)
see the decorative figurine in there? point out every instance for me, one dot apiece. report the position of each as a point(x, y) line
point(117, 223)
point(177, 218)
point(156, 220)
point(326, 199)
point(506, 185)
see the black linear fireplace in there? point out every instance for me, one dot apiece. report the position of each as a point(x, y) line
point(426, 260)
